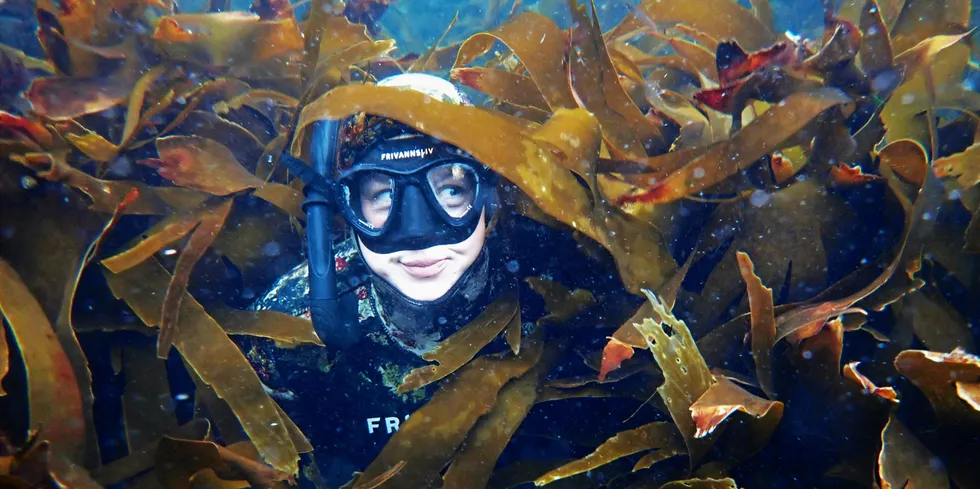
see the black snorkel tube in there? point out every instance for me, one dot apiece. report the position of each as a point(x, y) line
point(320, 207)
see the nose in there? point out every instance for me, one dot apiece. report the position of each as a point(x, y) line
point(418, 221)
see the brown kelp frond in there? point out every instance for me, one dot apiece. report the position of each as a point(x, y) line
point(806, 210)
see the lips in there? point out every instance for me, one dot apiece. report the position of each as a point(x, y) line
point(424, 268)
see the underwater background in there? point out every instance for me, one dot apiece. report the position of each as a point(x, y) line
point(797, 184)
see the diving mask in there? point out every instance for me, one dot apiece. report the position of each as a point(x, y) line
point(414, 193)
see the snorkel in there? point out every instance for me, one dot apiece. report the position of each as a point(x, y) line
point(320, 207)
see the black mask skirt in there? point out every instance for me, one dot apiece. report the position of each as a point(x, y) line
point(414, 193)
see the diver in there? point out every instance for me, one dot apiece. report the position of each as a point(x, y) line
point(431, 246)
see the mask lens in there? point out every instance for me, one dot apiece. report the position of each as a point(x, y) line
point(369, 196)
point(454, 185)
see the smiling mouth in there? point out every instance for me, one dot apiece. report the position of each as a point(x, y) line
point(424, 268)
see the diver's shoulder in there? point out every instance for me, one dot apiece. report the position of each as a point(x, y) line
point(290, 292)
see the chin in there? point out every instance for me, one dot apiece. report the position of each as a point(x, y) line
point(425, 290)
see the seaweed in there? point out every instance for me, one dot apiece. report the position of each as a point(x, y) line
point(771, 197)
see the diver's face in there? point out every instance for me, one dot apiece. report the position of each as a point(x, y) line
point(427, 274)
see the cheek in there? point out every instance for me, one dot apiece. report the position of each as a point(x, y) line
point(380, 264)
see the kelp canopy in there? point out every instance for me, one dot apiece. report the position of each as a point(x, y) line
point(802, 216)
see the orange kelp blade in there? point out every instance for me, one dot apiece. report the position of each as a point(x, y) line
point(65, 330)
point(107, 194)
point(53, 396)
point(476, 459)
point(459, 348)
point(719, 19)
point(431, 436)
point(613, 355)
point(225, 39)
point(905, 462)
point(659, 436)
point(851, 373)
point(755, 140)
point(211, 222)
point(540, 46)
point(561, 303)
point(201, 164)
point(213, 357)
point(944, 378)
point(763, 323)
point(723, 399)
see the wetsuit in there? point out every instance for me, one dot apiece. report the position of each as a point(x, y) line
point(346, 401)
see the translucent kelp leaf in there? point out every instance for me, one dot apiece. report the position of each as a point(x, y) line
point(535, 161)
point(107, 194)
point(37, 465)
point(809, 315)
point(970, 393)
point(561, 303)
point(65, 331)
point(53, 397)
point(936, 375)
point(29, 62)
point(201, 164)
point(851, 373)
point(221, 88)
point(63, 98)
point(148, 413)
point(212, 221)
point(613, 355)
point(876, 48)
point(763, 11)
point(720, 19)
point(154, 239)
point(701, 484)
point(755, 140)
point(906, 158)
point(225, 39)
point(697, 55)
point(100, 149)
point(502, 85)
point(763, 323)
point(459, 348)
point(972, 236)
point(785, 227)
point(648, 460)
point(33, 129)
point(212, 356)
point(846, 175)
point(381, 478)
point(921, 19)
point(686, 375)
point(476, 458)
point(658, 435)
point(596, 87)
point(963, 166)
point(178, 460)
point(946, 67)
point(427, 441)
point(935, 322)
point(540, 46)
point(4, 357)
point(722, 399)
point(287, 331)
point(905, 462)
